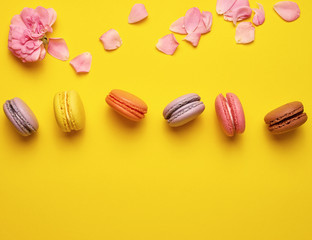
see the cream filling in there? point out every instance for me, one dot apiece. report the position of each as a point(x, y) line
point(230, 112)
point(67, 113)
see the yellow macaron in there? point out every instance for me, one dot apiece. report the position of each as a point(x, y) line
point(69, 111)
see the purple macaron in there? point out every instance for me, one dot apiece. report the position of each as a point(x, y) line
point(183, 109)
point(20, 115)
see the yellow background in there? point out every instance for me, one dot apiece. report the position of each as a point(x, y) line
point(121, 180)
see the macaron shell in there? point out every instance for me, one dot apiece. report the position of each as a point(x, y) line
point(26, 112)
point(283, 112)
point(76, 110)
point(20, 115)
point(59, 111)
point(69, 111)
point(223, 115)
point(237, 112)
point(186, 114)
point(289, 124)
point(179, 102)
point(124, 110)
point(13, 120)
point(130, 100)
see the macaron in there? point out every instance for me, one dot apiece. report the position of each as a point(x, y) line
point(286, 118)
point(21, 116)
point(69, 111)
point(183, 110)
point(230, 114)
point(127, 104)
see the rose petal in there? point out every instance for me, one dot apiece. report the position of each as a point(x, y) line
point(42, 53)
point(193, 38)
point(224, 5)
point(178, 26)
point(43, 15)
point(201, 28)
point(191, 19)
point(205, 23)
point(241, 14)
point(287, 10)
point(52, 16)
point(207, 19)
point(58, 48)
point(34, 56)
point(167, 44)
point(228, 16)
point(18, 21)
point(245, 33)
point(82, 63)
point(137, 13)
point(259, 17)
point(27, 13)
point(111, 40)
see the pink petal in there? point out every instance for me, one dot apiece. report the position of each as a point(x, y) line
point(287, 10)
point(205, 23)
point(224, 5)
point(259, 17)
point(167, 44)
point(82, 63)
point(178, 26)
point(27, 13)
point(137, 13)
point(245, 33)
point(193, 38)
point(52, 16)
point(34, 56)
point(191, 19)
point(228, 16)
point(42, 53)
point(241, 14)
point(58, 48)
point(111, 40)
point(43, 14)
point(17, 20)
point(207, 19)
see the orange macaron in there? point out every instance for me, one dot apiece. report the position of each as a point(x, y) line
point(127, 104)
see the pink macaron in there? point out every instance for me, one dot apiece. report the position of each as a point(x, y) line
point(230, 114)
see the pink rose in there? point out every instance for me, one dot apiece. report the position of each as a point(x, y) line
point(27, 38)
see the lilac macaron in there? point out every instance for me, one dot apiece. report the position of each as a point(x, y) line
point(230, 114)
point(183, 110)
point(20, 115)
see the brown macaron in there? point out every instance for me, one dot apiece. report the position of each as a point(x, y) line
point(286, 118)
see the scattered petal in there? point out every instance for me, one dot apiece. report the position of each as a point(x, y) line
point(224, 5)
point(137, 13)
point(192, 19)
point(205, 23)
point(287, 10)
point(245, 33)
point(259, 17)
point(57, 48)
point(167, 44)
point(207, 19)
point(111, 40)
point(193, 38)
point(82, 63)
point(241, 14)
point(178, 26)
point(228, 16)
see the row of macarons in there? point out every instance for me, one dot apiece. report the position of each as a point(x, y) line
point(70, 114)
